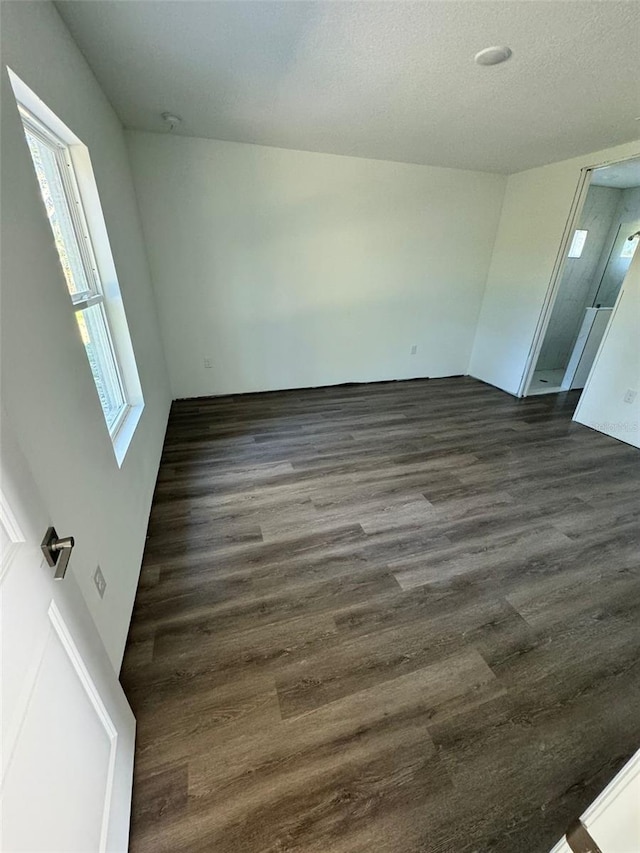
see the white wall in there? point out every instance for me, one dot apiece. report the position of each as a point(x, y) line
point(290, 269)
point(536, 206)
point(616, 369)
point(47, 387)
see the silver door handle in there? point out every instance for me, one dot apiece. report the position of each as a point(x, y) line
point(57, 551)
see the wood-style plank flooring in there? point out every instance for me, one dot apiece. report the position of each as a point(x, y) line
point(392, 618)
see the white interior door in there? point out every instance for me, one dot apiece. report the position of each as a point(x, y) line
point(67, 729)
point(612, 821)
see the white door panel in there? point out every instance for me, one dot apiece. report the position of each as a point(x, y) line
point(612, 821)
point(67, 730)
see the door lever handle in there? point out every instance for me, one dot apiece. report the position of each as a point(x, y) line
point(57, 551)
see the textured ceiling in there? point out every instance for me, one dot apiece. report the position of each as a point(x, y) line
point(620, 175)
point(389, 80)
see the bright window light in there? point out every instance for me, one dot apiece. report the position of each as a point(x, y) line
point(51, 161)
point(629, 247)
point(577, 244)
point(72, 207)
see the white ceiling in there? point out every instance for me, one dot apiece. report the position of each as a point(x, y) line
point(620, 175)
point(389, 80)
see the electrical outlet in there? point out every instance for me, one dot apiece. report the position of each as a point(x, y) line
point(208, 362)
point(99, 581)
point(414, 349)
point(630, 396)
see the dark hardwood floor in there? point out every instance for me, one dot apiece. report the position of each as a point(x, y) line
point(387, 618)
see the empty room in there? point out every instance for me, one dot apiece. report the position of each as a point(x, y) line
point(320, 431)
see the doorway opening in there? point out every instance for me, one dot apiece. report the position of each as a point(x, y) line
point(604, 236)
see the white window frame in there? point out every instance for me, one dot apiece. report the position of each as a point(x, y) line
point(74, 164)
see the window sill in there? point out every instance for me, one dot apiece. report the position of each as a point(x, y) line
point(122, 439)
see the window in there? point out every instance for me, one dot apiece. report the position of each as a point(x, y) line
point(629, 246)
point(72, 206)
point(577, 244)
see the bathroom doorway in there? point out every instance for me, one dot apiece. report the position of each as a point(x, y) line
point(605, 236)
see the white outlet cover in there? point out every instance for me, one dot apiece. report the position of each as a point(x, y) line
point(99, 581)
point(630, 396)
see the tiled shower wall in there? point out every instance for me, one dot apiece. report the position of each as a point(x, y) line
point(604, 211)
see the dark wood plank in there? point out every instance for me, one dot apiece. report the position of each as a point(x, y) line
point(400, 617)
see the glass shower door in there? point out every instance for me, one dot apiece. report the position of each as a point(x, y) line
point(618, 262)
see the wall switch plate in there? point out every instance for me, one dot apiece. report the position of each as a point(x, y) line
point(208, 362)
point(414, 349)
point(630, 396)
point(99, 581)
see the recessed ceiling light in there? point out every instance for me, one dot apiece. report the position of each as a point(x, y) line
point(493, 55)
